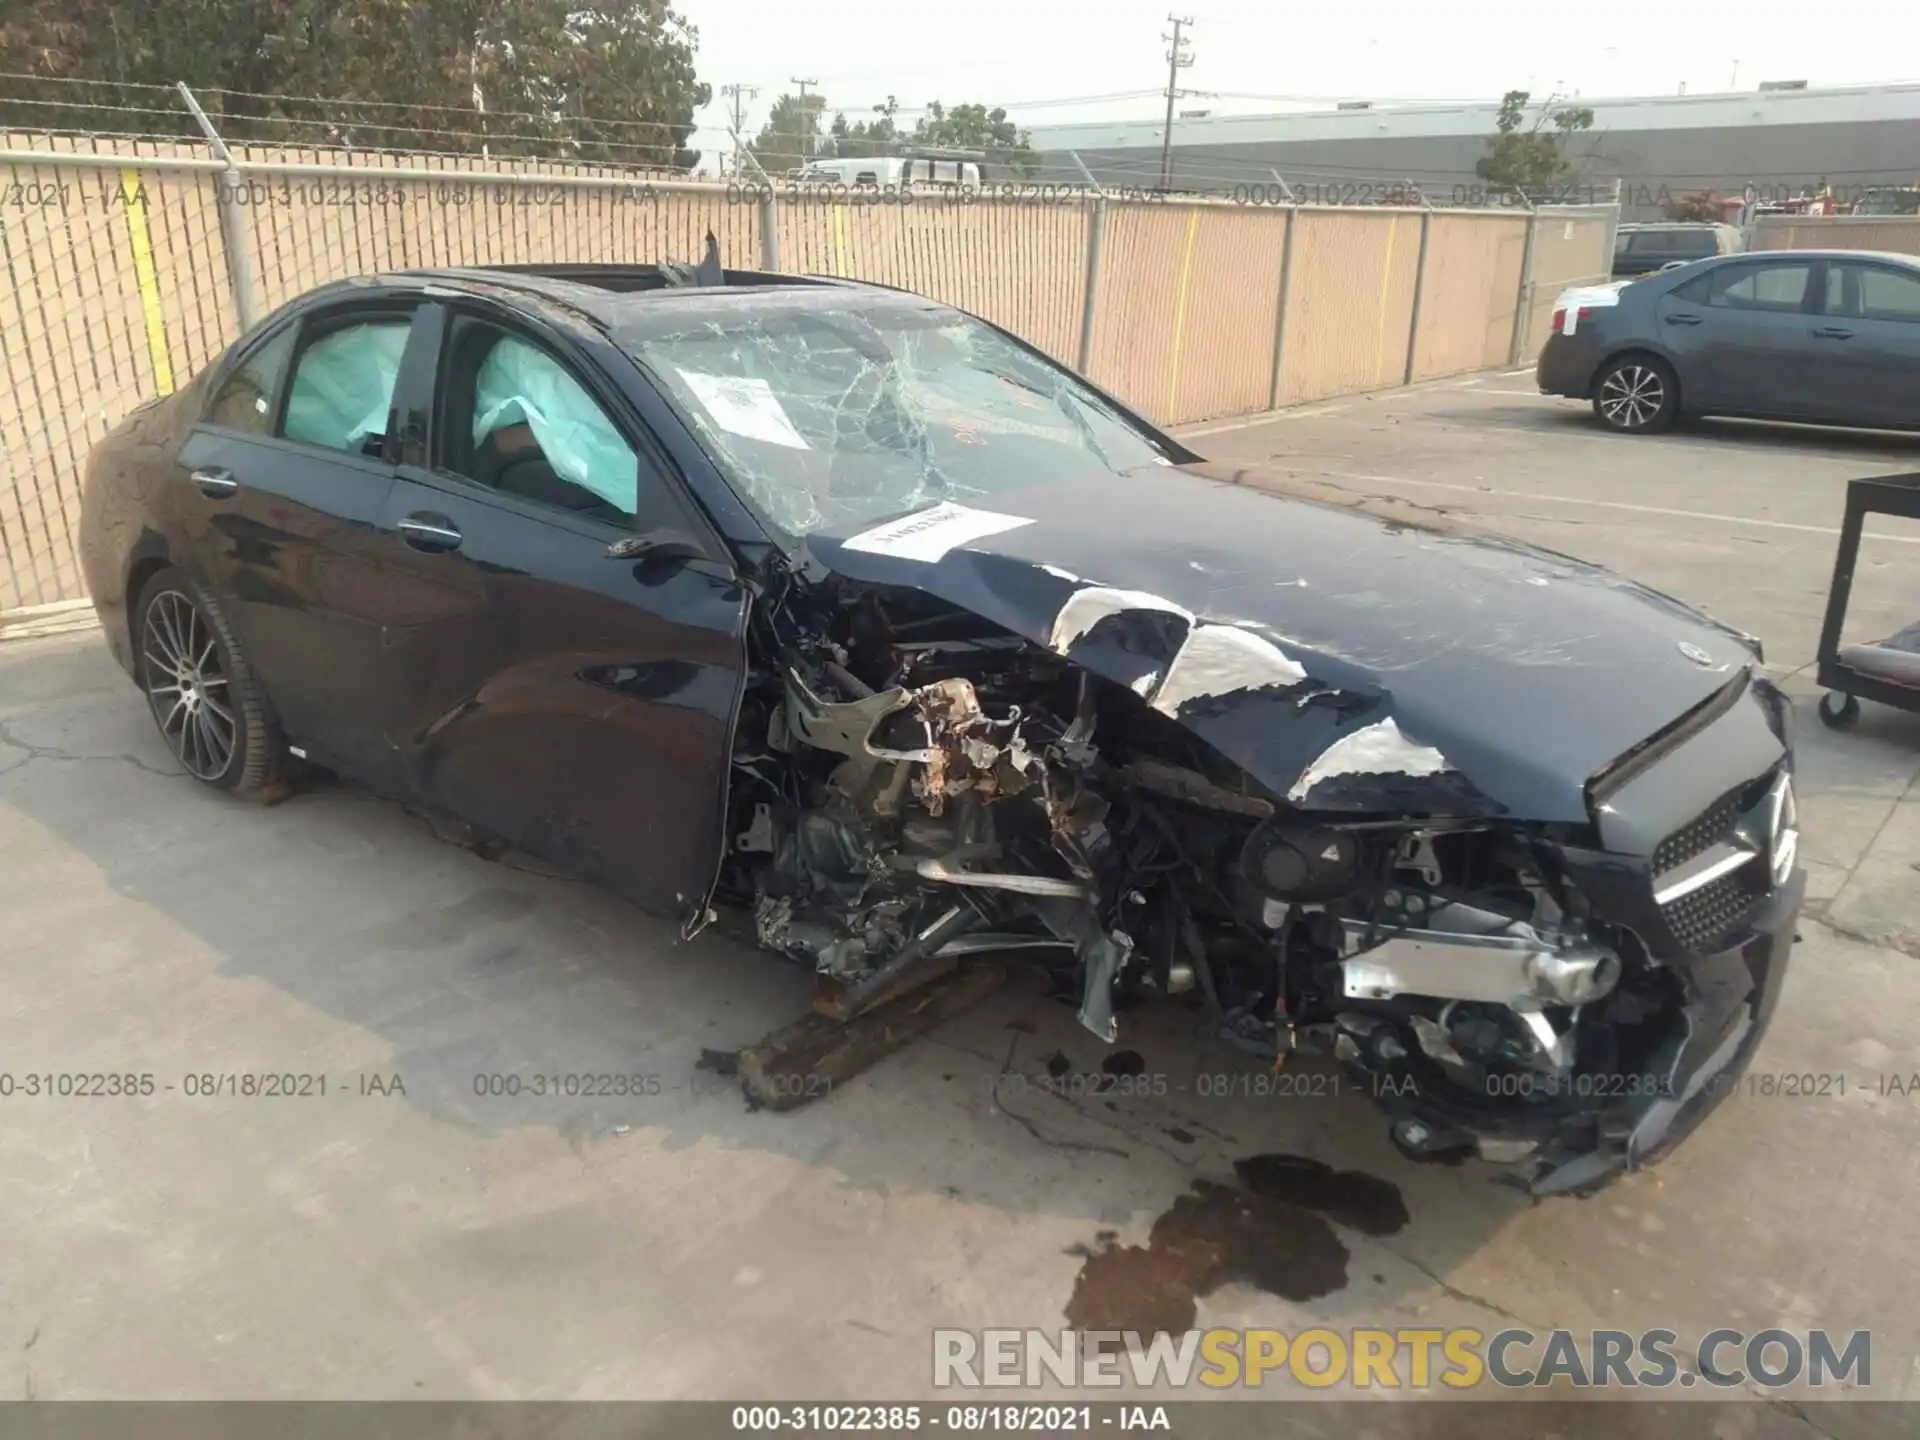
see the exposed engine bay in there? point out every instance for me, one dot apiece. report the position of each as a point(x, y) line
point(913, 784)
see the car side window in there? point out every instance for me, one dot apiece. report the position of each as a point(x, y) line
point(1843, 291)
point(1781, 288)
point(245, 401)
point(1697, 291)
point(342, 387)
point(513, 418)
point(1887, 294)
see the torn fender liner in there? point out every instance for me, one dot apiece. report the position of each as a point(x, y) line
point(1527, 689)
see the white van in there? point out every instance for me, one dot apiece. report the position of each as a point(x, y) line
point(890, 171)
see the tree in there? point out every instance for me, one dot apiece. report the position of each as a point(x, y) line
point(792, 134)
point(606, 81)
point(1525, 160)
point(963, 127)
point(974, 127)
point(865, 137)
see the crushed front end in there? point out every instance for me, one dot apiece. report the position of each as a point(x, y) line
point(917, 784)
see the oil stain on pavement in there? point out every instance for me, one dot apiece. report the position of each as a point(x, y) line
point(1273, 1231)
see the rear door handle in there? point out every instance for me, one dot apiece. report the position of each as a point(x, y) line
point(1683, 319)
point(433, 533)
point(1832, 332)
point(216, 482)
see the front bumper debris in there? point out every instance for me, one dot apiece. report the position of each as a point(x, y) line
point(1730, 998)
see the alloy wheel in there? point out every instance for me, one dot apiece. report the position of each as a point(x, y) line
point(1632, 396)
point(187, 685)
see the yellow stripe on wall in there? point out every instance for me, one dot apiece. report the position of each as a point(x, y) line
point(1180, 316)
point(135, 197)
point(837, 226)
point(1386, 283)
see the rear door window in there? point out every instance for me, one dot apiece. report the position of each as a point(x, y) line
point(342, 387)
point(1889, 294)
point(1697, 291)
point(246, 397)
point(1778, 288)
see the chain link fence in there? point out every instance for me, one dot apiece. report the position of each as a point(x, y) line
point(131, 264)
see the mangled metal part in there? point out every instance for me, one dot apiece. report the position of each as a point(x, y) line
point(1475, 955)
point(940, 871)
point(915, 961)
point(1177, 782)
point(844, 727)
point(759, 836)
point(1104, 957)
point(1556, 1045)
point(959, 756)
point(960, 750)
point(1103, 954)
point(993, 942)
point(1077, 825)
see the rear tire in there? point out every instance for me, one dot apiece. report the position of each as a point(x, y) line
point(1636, 395)
point(204, 696)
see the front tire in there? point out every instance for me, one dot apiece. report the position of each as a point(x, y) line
point(204, 696)
point(1636, 395)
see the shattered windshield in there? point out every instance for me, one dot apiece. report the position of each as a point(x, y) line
point(828, 418)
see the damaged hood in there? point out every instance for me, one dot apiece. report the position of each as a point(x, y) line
point(1350, 653)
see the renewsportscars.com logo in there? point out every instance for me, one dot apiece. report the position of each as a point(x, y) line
point(1416, 1359)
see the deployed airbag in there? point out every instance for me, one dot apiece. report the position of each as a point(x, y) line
point(343, 386)
point(519, 385)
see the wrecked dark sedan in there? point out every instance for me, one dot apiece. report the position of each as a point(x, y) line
point(835, 605)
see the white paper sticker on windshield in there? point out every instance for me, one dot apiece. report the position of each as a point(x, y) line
point(745, 405)
point(930, 534)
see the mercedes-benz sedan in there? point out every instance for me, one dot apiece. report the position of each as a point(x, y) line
point(840, 606)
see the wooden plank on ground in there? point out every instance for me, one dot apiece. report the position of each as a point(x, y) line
point(805, 1060)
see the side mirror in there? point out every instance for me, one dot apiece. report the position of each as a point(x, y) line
point(656, 545)
point(660, 553)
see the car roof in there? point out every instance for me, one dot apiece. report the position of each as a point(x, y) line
point(1890, 257)
point(1637, 225)
point(610, 295)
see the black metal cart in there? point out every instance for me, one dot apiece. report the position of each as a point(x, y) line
point(1889, 670)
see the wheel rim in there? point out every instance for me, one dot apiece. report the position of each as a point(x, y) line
point(1632, 395)
point(187, 685)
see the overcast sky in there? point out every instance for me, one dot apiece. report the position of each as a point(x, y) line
point(1016, 52)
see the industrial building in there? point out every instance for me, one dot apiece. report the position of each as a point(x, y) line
point(1780, 141)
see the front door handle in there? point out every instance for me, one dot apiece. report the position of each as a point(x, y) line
point(435, 534)
point(1683, 319)
point(216, 482)
point(1831, 332)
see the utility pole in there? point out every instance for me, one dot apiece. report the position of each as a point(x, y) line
point(806, 118)
point(739, 95)
point(1177, 57)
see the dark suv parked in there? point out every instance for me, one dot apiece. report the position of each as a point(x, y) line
point(1643, 249)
